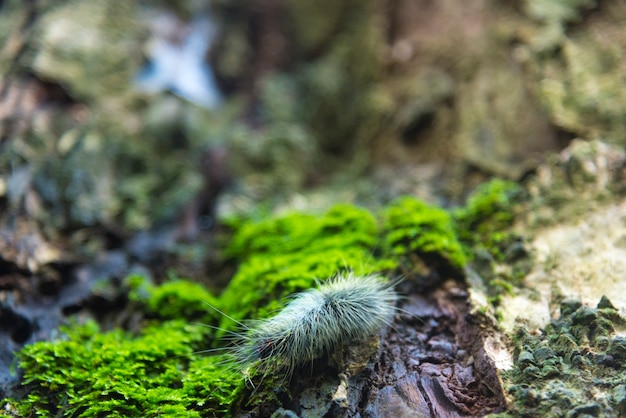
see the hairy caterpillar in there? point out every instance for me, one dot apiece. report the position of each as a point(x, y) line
point(345, 309)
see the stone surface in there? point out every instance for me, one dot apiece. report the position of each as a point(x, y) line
point(576, 229)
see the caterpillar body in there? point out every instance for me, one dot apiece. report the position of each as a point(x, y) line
point(345, 309)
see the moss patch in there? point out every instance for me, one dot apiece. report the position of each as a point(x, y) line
point(182, 299)
point(413, 226)
point(484, 222)
point(484, 226)
point(289, 254)
point(117, 374)
point(160, 370)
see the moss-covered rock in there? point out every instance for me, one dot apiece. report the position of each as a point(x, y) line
point(485, 228)
point(555, 369)
point(485, 220)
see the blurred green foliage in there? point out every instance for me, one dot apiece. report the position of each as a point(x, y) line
point(483, 224)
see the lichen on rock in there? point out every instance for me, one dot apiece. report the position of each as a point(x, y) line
point(585, 347)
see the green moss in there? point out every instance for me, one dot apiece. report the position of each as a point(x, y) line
point(553, 371)
point(484, 222)
point(182, 299)
point(157, 373)
point(91, 373)
point(288, 254)
point(211, 387)
point(341, 226)
point(413, 226)
point(484, 226)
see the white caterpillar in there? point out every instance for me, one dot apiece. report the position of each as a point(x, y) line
point(345, 309)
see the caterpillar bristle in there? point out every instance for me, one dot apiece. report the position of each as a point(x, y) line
point(345, 309)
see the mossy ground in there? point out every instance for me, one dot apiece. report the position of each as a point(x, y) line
point(161, 370)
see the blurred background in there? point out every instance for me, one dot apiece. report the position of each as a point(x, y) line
point(129, 115)
point(129, 130)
